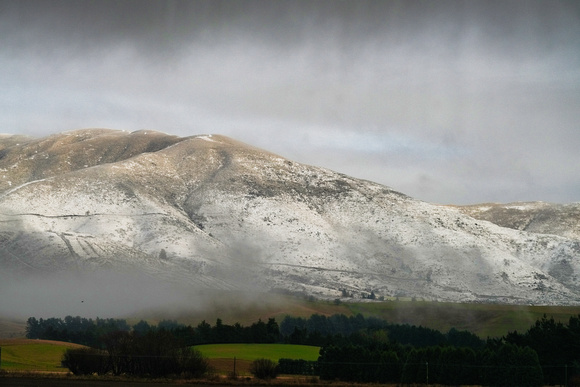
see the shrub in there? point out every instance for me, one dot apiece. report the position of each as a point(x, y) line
point(264, 369)
point(192, 362)
point(86, 361)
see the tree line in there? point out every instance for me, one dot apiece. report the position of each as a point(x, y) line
point(77, 329)
point(505, 365)
point(548, 353)
point(91, 332)
point(353, 348)
point(319, 330)
point(557, 345)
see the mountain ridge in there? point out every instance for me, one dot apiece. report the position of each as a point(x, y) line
point(210, 212)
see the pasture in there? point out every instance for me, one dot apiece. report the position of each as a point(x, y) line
point(45, 355)
point(33, 355)
point(257, 351)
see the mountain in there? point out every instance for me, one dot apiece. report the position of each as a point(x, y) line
point(210, 213)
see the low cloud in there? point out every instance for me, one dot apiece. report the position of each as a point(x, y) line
point(102, 293)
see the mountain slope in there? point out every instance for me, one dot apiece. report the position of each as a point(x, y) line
point(209, 212)
point(536, 217)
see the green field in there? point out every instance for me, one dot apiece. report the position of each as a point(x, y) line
point(32, 355)
point(45, 356)
point(256, 351)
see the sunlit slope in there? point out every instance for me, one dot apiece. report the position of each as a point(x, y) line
point(214, 213)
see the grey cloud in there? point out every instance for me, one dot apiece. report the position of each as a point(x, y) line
point(479, 97)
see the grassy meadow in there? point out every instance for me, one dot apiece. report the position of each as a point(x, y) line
point(44, 356)
point(257, 351)
point(33, 355)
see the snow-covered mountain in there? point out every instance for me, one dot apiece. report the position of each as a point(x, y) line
point(213, 213)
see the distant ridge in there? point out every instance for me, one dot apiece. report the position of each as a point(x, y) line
point(536, 217)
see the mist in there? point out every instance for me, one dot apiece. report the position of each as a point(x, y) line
point(116, 294)
point(102, 293)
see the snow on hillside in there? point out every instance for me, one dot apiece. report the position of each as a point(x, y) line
point(215, 213)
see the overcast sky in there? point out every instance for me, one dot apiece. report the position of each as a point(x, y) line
point(447, 101)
